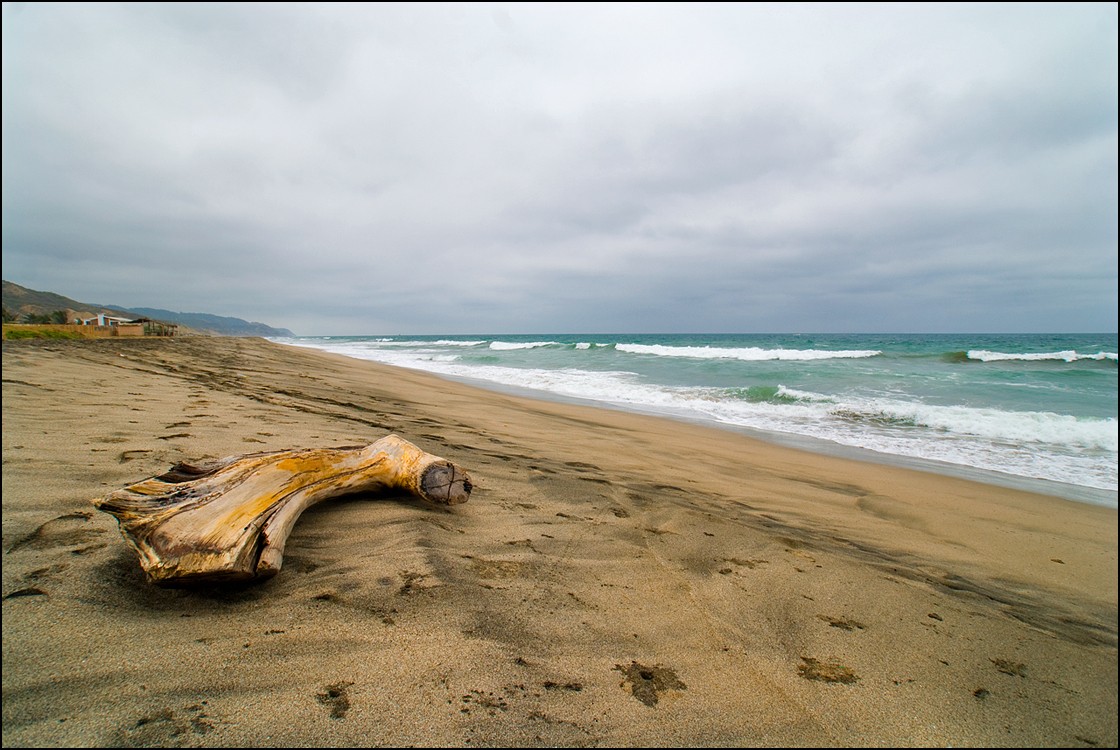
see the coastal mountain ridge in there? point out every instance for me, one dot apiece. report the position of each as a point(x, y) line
point(20, 301)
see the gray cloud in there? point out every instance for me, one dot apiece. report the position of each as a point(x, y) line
point(505, 168)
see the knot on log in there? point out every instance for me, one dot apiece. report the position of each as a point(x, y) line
point(445, 483)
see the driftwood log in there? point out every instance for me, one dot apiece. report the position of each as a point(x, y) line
point(228, 520)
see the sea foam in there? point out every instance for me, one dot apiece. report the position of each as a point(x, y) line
point(750, 353)
point(983, 355)
point(502, 346)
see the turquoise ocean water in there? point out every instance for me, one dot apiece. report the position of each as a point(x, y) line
point(1037, 411)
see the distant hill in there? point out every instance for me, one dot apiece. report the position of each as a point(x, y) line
point(20, 301)
point(207, 322)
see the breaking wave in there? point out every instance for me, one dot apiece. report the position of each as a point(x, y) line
point(982, 355)
point(750, 353)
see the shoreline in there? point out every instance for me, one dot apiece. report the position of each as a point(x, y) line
point(617, 578)
point(1107, 498)
point(1061, 490)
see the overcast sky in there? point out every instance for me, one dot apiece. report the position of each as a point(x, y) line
point(504, 168)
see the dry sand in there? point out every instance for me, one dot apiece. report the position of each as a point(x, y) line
point(615, 579)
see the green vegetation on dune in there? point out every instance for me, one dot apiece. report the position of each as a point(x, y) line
point(28, 333)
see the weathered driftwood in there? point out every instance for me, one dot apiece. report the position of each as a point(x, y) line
point(228, 520)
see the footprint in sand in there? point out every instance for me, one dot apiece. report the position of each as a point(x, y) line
point(813, 669)
point(647, 684)
point(69, 530)
point(1013, 668)
point(842, 622)
point(30, 591)
point(335, 697)
point(165, 727)
point(488, 701)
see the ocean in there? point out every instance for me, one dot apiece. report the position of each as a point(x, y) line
point(1034, 411)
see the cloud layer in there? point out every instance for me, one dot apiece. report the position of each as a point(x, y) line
point(512, 168)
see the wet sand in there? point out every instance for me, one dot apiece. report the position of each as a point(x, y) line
point(616, 579)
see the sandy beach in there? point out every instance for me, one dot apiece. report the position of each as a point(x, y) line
point(615, 579)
